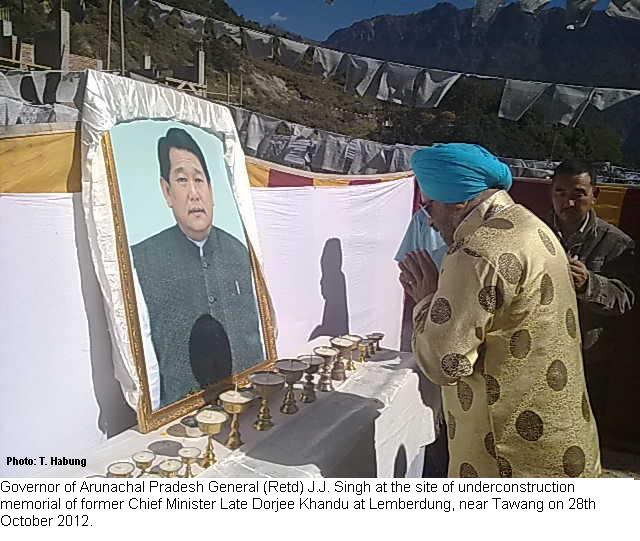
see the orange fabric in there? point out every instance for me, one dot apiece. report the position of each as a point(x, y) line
point(609, 204)
point(264, 174)
point(323, 182)
point(258, 175)
point(40, 163)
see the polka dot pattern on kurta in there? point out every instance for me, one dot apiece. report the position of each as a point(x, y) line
point(440, 311)
point(510, 268)
point(493, 210)
point(490, 444)
point(451, 425)
point(522, 383)
point(491, 299)
point(557, 375)
point(529, 425)
point(498, 223)
point(520, 344)
point(548, 243)
point(456, 365)
point(504, 467)
point(467, 470)
point(493, 389)
point(547, 292)
point(570, 322)
point(573, 461)
point(465, 395)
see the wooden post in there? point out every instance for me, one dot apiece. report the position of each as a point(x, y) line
point(109, 37)
point(122, 66)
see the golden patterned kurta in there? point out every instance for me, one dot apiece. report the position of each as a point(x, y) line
point(500, 335)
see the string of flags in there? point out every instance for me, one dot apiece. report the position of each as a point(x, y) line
point(415, 86)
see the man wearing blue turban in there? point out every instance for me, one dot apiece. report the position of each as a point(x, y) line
point(497, 327)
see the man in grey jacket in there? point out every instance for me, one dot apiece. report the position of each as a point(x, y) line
point(602, 265)
point(196, 281)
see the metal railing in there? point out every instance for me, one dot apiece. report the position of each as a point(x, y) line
point(10, 63)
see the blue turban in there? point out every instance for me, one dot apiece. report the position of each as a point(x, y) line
point(457, 172)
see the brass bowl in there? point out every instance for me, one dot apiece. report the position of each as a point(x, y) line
point(377, 337)
point(314, 362)
point(143, 459)
point(120, 470)
point(266, 383)
point(236, 401)
point(291, 369)
point(189, 455)
point(326, 352)
point(170, 467)
point(356, 339)
point(342, 344)
point(211, 421)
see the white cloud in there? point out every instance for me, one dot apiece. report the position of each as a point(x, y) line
point(277, 18)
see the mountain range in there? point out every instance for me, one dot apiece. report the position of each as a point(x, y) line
point(606, 52)
point(517, 45)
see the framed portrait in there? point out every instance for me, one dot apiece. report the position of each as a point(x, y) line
point(175, 246)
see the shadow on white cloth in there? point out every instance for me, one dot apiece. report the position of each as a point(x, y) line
point(333, 287)
point(115, 415)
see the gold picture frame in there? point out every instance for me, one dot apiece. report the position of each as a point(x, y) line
point(149, 419)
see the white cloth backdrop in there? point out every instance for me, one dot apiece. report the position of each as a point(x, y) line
point(368, 221)
point(58, 395)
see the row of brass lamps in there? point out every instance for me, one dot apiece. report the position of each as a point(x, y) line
point(332, 363)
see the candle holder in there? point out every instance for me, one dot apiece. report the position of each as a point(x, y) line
point(235, 403)
point(292, 369)
point(189, 456)
point(343, 345)
point(143, 461)
point(169, 468)
point(265, 384)
point(328, 355)
point(211, 423)
point(308, 392)
point(365, 350)
point(371, 347)
point(120, 470)
point(356, 339)
point(377, 337)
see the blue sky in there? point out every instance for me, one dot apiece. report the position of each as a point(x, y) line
point(315, 19)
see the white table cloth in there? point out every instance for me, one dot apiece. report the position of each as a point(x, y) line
point(375, 424)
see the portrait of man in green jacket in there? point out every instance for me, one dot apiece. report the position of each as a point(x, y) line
point(196, 281)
